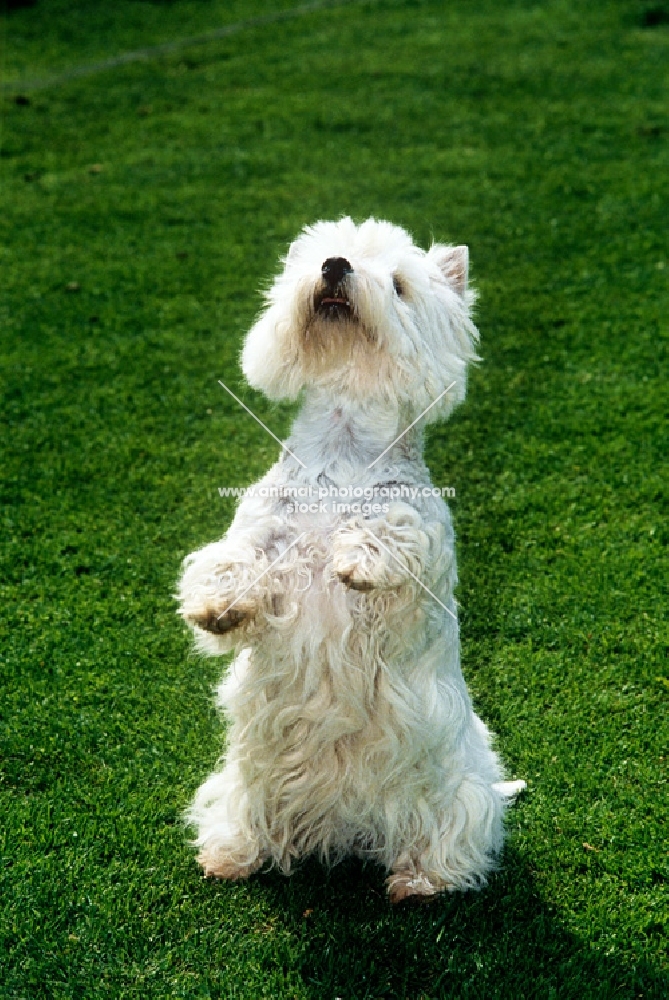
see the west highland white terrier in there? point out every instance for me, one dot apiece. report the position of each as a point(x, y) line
point(351, 730)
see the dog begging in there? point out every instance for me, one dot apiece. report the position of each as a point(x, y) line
point(351, 730)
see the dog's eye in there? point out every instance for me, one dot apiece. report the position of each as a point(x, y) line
point(398, 285)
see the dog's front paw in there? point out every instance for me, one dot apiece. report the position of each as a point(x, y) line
point(218, 611)
point(219, 604)
point(382, 554)
point(219, 864)
point(361, 563)
point(413, 887)
point(353, 569)
point(352, 581)
point(218, 623)
point(222, 588)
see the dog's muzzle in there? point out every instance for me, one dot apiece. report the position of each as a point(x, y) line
point(331, 301)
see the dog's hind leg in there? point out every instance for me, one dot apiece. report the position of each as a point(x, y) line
point(459, 849)
point(228, 846)
point(408, 880)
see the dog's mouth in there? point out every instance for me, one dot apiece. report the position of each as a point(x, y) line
point(333, 306)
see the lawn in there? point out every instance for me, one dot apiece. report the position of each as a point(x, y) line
point(142, 206)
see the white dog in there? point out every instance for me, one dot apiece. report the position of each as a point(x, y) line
point(351, 728)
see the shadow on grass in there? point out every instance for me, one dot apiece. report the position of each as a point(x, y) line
point(502, 942)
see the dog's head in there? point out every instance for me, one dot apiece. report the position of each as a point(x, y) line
point(362, 311)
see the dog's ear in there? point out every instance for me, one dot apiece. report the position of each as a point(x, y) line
point(453, 262)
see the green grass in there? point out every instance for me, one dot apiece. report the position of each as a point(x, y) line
point(538, 134)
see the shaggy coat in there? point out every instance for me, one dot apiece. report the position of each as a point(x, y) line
point(351, 730)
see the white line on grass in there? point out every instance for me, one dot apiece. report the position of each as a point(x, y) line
point(154, 51)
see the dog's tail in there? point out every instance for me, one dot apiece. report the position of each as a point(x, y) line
point(510, 789)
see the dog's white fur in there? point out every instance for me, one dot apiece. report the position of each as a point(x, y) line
point(351, 728)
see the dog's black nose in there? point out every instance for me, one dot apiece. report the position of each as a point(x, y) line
point(334, 269)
